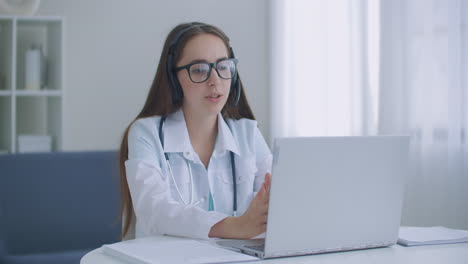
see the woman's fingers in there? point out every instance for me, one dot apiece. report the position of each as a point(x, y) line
point(261, 192)
point(264, 218)
point(268, 178)
point(268, 181)
point(257, 213)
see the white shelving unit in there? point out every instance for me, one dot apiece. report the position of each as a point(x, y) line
point(30, 112)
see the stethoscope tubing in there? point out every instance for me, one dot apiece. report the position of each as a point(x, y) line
point(233, 170)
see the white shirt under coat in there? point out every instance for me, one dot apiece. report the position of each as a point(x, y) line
point(157, 205)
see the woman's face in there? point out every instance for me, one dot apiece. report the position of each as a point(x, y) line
point(208, 97)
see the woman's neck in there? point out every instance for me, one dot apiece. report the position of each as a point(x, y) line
point(202, 131)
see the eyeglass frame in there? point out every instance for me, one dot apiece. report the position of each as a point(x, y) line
point(211, 65)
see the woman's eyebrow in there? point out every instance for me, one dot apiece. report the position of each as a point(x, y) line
point(197, 61)
point(220, 59)
point(202, 60)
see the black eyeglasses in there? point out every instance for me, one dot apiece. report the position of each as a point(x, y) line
point(201, 71)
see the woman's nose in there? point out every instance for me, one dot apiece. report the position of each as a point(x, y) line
point(213, 78)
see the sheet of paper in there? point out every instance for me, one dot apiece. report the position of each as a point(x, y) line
point(431, 235)
point(162, 250)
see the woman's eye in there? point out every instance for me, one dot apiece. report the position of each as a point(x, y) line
point(198, 70)
point(223, 67)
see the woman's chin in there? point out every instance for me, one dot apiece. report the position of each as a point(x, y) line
point(207, 108)
point(213, 110)
point(215, 107)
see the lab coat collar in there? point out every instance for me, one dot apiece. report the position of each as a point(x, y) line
point(176, 137)
point(225, 140)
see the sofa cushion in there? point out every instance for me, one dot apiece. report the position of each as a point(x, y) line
point(68, 257)
point(55, 202)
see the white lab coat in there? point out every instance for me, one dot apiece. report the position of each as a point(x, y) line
point(158, 207)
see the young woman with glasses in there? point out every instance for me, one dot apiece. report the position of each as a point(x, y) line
point(193, 162)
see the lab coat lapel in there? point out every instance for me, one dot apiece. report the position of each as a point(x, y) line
point(176, 137)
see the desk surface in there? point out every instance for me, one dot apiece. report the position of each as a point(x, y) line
point(448, 253)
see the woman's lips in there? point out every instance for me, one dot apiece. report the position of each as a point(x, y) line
point(214, 99)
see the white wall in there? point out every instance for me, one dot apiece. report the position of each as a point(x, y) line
point(112, 51)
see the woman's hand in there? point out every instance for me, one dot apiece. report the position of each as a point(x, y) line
point(252, 223)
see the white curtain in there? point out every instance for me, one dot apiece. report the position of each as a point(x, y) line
point(424, 94)
point(366, 67)
point(324, 67)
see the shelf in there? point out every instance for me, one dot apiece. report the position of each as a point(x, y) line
point(6, 93)
point(6, 51)
point(38, 93)
point(27, 111)
point(31, 18)
point(47, 36)
point(40, 116)
point(5, 124)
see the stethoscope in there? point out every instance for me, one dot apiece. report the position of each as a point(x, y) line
point(233, 169)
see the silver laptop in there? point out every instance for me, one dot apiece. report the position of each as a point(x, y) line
point(332, 194)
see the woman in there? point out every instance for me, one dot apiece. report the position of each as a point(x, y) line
point(193, 163)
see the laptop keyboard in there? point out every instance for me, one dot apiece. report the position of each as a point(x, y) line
point(257, 247)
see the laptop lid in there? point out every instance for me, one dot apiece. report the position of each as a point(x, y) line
point(335, 193)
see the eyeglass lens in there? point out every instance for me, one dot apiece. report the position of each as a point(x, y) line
point(200, 72)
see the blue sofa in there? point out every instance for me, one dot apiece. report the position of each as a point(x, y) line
point(55, 207)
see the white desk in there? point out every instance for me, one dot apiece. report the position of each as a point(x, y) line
point(449, 253)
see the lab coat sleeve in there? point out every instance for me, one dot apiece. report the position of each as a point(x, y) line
point(156, 212)
point(263, 159)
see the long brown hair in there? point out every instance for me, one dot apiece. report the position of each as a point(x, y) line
point(159, 102)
